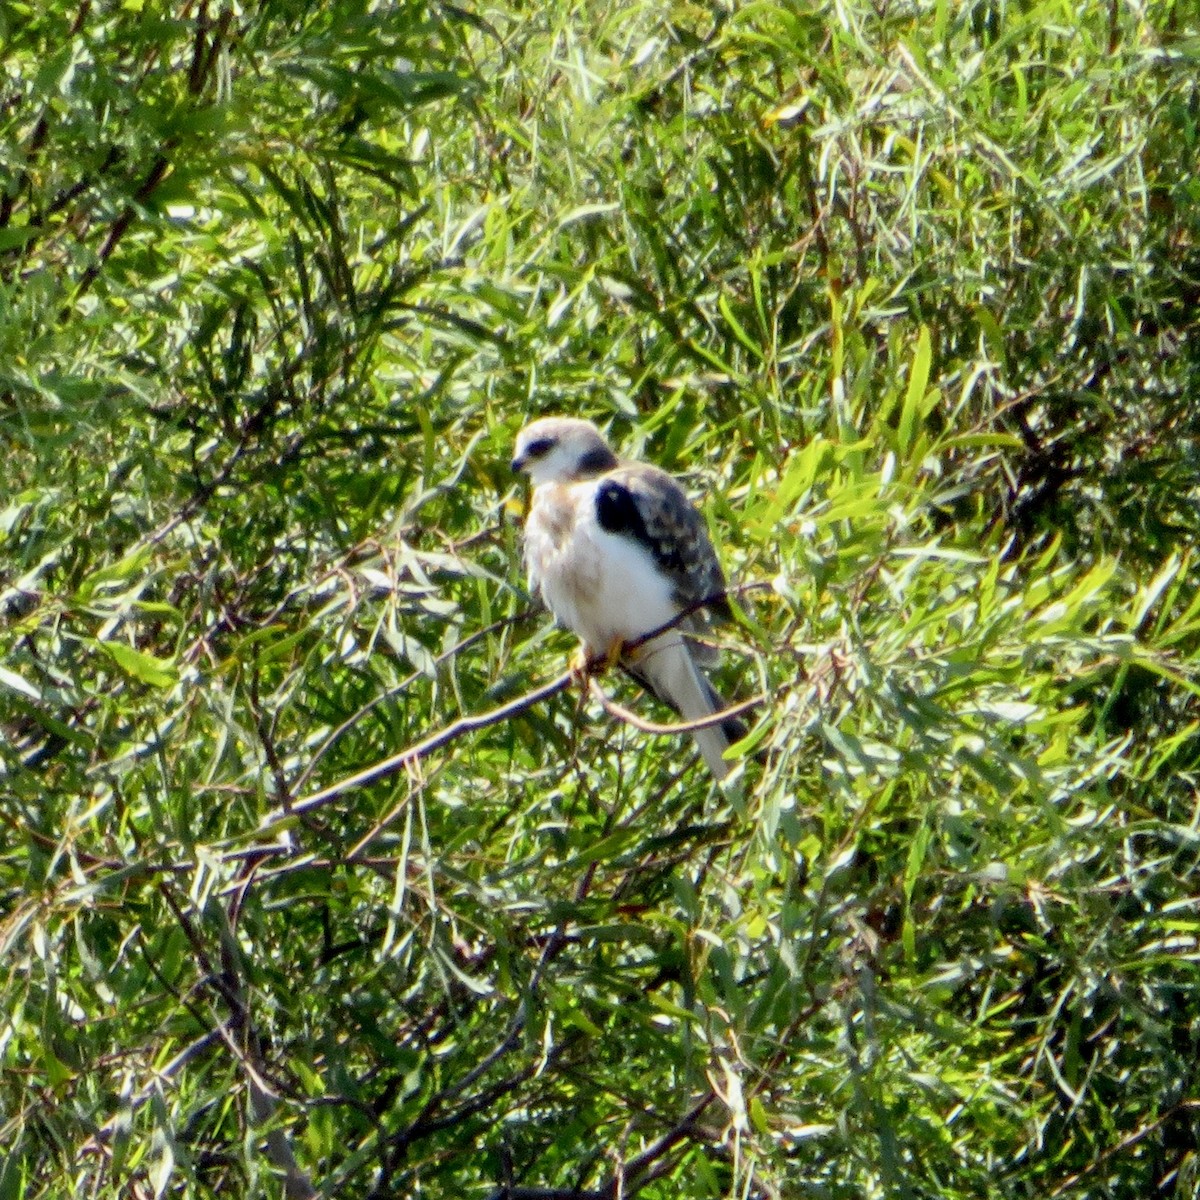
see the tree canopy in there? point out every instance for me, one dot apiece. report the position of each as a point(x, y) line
point(319, 878)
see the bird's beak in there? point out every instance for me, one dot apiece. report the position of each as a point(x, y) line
point(518, 465)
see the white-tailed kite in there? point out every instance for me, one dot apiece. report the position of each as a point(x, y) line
point(617, 550)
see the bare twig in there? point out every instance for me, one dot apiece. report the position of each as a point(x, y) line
point(464, 725)
point(166, 1072)
point(630, 1177)
point(1124, 1144)
point(657, 727)
point(246, 1048)
point(414, 753)
point(242, 1040)
point(636, 1171)
point(405, 683)
point(547, 1193)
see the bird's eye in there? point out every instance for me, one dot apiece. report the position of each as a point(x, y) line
point(539, 448)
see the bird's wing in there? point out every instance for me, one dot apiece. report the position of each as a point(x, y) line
point(647, 505)
point(667, 666)
point(640, 501)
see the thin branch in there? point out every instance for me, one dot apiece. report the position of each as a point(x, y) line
point(209, 37)
point(634, 1173)
point(162, 1074)
point(547, 1193)
point(658, 727)
point(464, 725)
point(400, 687)
point(38, 137)
point(231, 987)
point(418, 751)
point(1124, 1144)
point(630, 1177)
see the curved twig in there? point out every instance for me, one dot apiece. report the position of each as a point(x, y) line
point(417, 751)
point(400, 687)
point(657, 727)
point(464, 725)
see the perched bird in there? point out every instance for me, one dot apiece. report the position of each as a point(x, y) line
point(617, 550)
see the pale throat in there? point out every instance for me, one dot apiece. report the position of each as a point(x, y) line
point(554, 511)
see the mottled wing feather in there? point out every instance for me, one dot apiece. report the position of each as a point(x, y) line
point(647, 504)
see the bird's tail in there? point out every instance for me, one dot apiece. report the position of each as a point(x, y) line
point(666, 666)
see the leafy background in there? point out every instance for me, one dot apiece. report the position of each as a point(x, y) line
point(906, 292)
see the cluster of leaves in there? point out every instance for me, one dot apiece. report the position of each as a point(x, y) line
point(908, 291)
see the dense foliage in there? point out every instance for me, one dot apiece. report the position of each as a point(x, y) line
point(907, 292)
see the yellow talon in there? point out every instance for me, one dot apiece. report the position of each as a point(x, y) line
point(583, 665)
point(580, 665)
point(612, 655)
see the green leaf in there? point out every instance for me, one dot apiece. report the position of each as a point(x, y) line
point(119, 572)
point(915, 394)
point(738, 331)
point(15, 236)
point(145, 668)
point(15, 683)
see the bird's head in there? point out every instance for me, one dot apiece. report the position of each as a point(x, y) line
point(561, 450)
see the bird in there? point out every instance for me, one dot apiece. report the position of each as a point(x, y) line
point(617, 550)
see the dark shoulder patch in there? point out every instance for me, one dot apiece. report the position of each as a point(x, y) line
point(617, 511)
point(647, 505)
point(596, 461)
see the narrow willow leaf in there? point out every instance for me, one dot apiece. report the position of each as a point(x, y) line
point(914, 396)
point(145, 668)
point(15, 683)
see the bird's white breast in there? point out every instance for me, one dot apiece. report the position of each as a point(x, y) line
point(600, 585)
